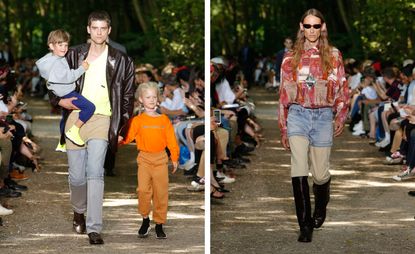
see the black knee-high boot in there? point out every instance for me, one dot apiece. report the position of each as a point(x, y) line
point(303, 207)
point(322, 198)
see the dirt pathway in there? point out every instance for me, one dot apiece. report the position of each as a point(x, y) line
point(42, 219)
point(368, 211)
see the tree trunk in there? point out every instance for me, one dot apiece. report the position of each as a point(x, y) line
point(343, 16)
point(140, 16)
point(225, 39)
point(7, 23)
point(235, 25)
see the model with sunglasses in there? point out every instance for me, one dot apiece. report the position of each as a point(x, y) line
point(313, 95)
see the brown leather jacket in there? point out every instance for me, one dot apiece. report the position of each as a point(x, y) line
point(121, 86)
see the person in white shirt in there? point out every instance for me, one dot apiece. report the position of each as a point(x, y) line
point(173, 97)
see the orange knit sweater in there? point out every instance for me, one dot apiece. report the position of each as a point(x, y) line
point(153, 134)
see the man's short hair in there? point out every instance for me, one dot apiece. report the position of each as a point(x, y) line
point(407, 70)
point(389, 72)
point(369, 71)
point(99, 15)
point(170, 80)
point(57, 36)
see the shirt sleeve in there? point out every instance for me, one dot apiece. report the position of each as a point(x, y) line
point(61, 73)
point(283, 102)
point(227, 93)
point(178, 102)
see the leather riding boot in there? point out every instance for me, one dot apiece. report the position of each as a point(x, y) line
point(303, 207)
point(322, 198)
point(79, 223)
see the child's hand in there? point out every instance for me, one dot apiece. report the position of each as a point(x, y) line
point(85, 64)
point(175, 165)
point(120, 139)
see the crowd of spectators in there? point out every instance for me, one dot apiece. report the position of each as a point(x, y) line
point(18, 149)
point(235, 131)
point(383, 109)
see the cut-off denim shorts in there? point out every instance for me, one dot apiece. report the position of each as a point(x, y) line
point(314, 124)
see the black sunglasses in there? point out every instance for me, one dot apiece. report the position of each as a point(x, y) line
point(308, 26)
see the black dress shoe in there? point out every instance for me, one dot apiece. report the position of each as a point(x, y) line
point(411, 193)
point(8, 193)
point(9, 181)
point(78, 224)
point(243, 159)
point(18, 187)
point(95, 238)
point(223, 190)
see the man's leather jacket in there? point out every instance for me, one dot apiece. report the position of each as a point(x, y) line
point(121, 85)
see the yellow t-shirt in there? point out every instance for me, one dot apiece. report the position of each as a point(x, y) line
point(95, 86)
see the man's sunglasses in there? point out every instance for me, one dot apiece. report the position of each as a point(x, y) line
point(308, 26)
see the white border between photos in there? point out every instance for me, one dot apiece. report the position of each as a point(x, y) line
point(207, 126)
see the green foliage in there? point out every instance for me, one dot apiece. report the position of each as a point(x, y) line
point(175, 28)
point(387, 29)
point(181, 29)
point(382, 29)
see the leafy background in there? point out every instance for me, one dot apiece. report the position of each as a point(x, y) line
point(154, 32)
point(375, 29)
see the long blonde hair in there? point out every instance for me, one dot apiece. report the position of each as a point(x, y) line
point(324, 45)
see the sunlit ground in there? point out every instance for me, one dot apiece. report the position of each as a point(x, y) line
point(42, 218)
point(368, 212)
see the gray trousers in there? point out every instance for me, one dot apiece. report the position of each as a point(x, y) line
point(86, 181)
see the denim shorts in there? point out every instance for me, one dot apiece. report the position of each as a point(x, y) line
point(314, 124)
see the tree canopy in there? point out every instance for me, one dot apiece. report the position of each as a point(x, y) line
point(381, 29)
point(153, 32)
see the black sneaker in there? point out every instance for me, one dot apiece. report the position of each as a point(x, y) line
point(145, 228)
point(159, 232)
point(192, 171)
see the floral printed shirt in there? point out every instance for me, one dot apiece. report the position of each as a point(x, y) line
point(310, 88)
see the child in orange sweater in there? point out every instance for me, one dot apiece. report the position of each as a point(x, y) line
point(152, 132)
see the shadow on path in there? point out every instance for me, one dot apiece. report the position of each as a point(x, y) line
point(368, 211)
point(43, 217)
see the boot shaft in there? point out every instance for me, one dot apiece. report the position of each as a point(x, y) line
point(301, 192)
point(322, 194)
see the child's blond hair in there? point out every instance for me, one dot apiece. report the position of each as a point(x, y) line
point(58, 36)
point(148, 85)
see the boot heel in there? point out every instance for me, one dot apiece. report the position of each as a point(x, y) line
point(306, 234)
